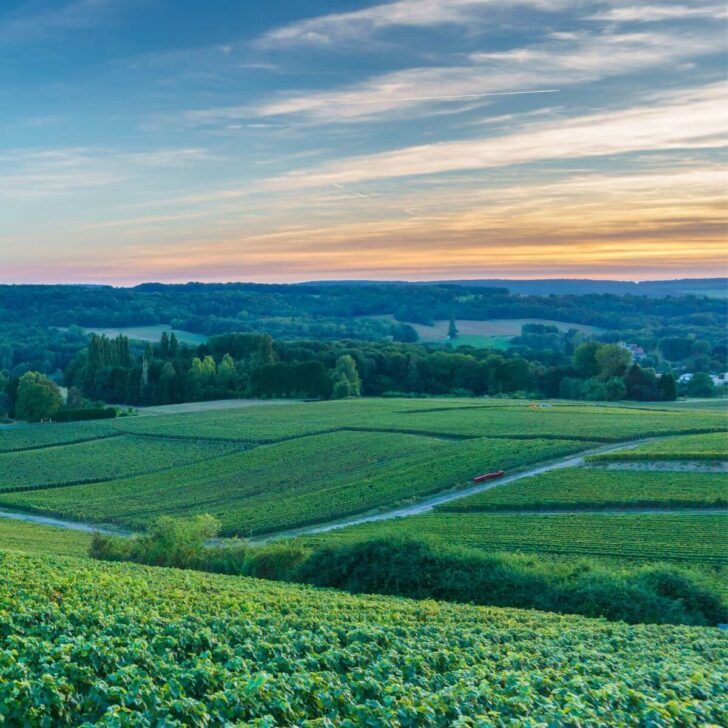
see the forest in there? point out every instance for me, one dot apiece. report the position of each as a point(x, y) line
point(347, 339)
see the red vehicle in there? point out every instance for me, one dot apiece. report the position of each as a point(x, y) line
point(489, 476)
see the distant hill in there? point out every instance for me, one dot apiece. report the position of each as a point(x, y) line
point(712, 287)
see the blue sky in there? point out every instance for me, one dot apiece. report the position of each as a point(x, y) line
point(412, 139)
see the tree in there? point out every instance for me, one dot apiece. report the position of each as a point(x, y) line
point(614, 389)
point(404, 333)
point(701, 385)
point(612, 360)
point(38, 398)
point(668, 387)
point(226, 372)
point(452, 331)
point(674, 348)
point(346, 381)
point(584, 358)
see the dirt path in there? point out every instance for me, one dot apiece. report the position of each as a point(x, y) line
point(61, 523)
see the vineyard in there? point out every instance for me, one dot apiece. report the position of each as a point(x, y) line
point(453, 418)
point(130, 645)
point(698, 538)
point(37, 539)
point(102, 459)
point(711, 447)
point(585, 488)
point(33, 437)
point(293, 483)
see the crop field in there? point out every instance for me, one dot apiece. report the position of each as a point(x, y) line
point(301, 463)
point(38, 539)
point(121, 644)
point(294, 483)
point(30, 437)
point(96, 460)
point(710, 447)
point(449, 418)
point(593, 488)
point(698, 538)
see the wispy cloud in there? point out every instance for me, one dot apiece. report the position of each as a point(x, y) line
point(37, 173)
point(657, 13)
point(560, 60)
point(620, 222)
point(692, 118)
point(337, 27)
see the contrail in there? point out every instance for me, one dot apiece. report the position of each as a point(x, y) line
point(451, 98)
point(358, 194)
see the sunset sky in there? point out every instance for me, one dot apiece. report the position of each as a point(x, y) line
point(287, 140)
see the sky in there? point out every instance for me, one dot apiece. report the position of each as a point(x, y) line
point(178, 140)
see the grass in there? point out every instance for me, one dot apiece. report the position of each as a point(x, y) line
point(95, 460)
point(710, 447)
point(38, 539)
point(294, 483)
point(590, 488)
point(644, 537)
point(124, 644)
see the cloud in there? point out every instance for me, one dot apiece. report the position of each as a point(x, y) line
point(687, 119)
point(330, 29)
point(601, 224)
point(560, 60)
point(36, 173)
point(657, 13)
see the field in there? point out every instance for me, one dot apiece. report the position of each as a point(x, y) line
point(594, 488)
point(464, 418)
point(698, 538)
point(495, 333)
point(98, 460)
point(711, 447)
point(37, 539)
point(123, 644)
point(263, 469)
point(31, 437)
point(293, 483)
point(149, 333)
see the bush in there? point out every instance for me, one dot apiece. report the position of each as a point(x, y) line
point(422, 570)
point(79, 415)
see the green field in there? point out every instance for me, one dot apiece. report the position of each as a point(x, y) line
point(300, 463)
point(711, 447)
point(120, 644)
point(293, 483)
point(149, 333)
point(96, 460)
point(695, 538)
point(593, 488)
point(30, 437)
point(454, 418)
point(37, 539)
point(496, 332)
